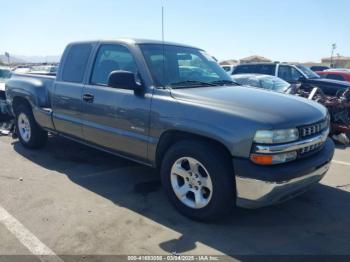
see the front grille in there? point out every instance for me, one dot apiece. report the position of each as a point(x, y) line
point(313, 129)
point(309, 149)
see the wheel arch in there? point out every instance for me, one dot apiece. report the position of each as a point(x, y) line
point(171, 137)
point(19, 100)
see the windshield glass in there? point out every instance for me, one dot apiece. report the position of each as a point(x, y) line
point(4, 75)
point(308, 72)
point(274, 83)
point(176, 66)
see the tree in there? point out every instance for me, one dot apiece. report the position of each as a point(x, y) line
point(1, 63)
point(347, 65)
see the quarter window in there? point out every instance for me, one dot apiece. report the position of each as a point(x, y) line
point(111, 58)
point(77, 58)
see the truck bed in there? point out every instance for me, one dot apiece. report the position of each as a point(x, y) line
point(42, 85)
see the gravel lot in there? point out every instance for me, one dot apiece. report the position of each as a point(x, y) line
point(79, 201)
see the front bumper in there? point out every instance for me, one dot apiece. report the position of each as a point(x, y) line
point(259, 186)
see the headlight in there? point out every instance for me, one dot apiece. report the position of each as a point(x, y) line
point(276, 136)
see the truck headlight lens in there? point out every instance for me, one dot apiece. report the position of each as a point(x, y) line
point(276, 136)
point(262, 159)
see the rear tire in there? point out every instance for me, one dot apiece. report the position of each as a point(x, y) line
point(205, 172)
point(30, 134)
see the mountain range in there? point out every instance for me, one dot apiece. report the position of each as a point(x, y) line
point(30, 59)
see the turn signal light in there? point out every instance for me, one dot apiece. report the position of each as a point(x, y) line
point(261, 159)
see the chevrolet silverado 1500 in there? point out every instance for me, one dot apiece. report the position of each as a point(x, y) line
point(217, 145)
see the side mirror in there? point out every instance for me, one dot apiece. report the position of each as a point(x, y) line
point(124, 80)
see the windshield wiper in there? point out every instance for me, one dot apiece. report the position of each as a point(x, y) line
point(191, 83)
point(225, 82)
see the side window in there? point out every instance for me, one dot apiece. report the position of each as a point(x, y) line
point(111, 58)
point(288, 73)
point(244, 69)
point(335, 77)
point(75, 64)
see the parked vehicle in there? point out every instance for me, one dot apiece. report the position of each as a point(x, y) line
point(214, 142)
point(338, 106)
point(294, 73)
point(335, 75)
point(23, 69)
point(228, 68)
point(338, 69)
point(267, 82)
point(319, 68)
point(5, 74)
point(44, 70)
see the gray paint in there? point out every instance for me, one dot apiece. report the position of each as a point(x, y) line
point(131, 124)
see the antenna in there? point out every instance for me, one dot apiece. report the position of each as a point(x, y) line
point(163, 46)
point(162, 23)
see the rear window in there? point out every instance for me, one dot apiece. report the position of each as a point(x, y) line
point(75, 64)
point(255, 69)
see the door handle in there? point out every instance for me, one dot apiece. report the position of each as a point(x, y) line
point(88, 98)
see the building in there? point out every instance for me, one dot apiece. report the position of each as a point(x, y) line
point(229, 62)
point(338, 61)
point(254, 59)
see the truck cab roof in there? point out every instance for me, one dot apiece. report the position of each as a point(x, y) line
point(133, 41)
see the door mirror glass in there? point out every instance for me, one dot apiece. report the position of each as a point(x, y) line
point(124, 80)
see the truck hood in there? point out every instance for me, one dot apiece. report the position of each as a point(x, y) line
point(323, 81)
point(270, 109)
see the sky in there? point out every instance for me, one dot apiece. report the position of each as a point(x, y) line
point(288, 30)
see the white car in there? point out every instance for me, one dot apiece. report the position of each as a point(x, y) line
point(5, 73)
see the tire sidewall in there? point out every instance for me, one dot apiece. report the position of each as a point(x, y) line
point(38, 137)
point(221, 174)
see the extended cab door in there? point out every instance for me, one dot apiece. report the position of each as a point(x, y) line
point(289, 73)
point(116, 119)
point(66, 100)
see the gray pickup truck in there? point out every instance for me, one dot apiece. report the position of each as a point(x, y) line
point(216, 144)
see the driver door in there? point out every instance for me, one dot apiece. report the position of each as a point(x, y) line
point(115, 119)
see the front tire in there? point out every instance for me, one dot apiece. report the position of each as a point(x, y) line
point(199, 180)
point(30, 134)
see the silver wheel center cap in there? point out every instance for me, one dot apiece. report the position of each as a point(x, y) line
point(193, 181)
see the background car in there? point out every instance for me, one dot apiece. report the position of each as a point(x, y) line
point(294, 73)
point(22, 69)
point(338, 69)
point(318, 68)
point(263, 81)
point(5, 73)
point(335, 75)
point(44, 70)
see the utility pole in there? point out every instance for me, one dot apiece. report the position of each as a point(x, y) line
point(334, 46)
point(8, 59)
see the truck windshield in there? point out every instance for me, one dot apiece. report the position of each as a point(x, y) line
point(308, 72)
point(179, 67)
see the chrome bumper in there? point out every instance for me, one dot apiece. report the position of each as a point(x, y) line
point(253, 193)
